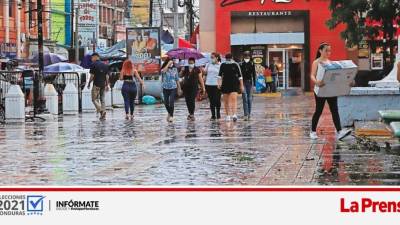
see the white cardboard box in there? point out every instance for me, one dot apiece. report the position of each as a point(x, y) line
point(337, 76)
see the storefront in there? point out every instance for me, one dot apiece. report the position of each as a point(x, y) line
point(281, 32)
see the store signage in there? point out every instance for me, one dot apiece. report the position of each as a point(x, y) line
point(8, 50)
point(87, 22)
point(262, 2)
point(268, 13)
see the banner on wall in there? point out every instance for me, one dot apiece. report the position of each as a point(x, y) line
point(141, 12)
point(144, 49)
point(87, 23)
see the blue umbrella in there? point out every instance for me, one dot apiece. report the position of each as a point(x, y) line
point(63, 67)
point(49, 58)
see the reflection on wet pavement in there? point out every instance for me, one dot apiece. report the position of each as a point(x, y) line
point(271, 149)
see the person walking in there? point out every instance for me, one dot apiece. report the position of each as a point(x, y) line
point(170, 85)
point(230, 82)
point(323, 54)
point(214, 94)
point(249, 81)
point(129, 89)
point(275, 72)
point(192, 77)
point(99, 77)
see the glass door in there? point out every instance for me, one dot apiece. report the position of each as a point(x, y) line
point(277, 64)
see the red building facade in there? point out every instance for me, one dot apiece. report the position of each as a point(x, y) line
point(15, 28)
point(283, 32)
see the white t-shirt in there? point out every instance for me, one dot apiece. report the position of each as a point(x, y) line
point(212, 74)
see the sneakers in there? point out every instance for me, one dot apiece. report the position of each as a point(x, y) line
point(342, 134)
point(313, 136)
point(103, 115)
point(234, 118)
point(191, 118)
point(171, 119)
point(246, 118)
point(213, 118)
point(168, 118)
point(227, 118)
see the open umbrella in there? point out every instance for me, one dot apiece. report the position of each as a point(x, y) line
point(63, 67)
point(50, 58)
point(185, 53)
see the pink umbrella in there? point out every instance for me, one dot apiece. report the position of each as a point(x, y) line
point(185, 53)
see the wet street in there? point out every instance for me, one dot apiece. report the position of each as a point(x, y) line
point(271, 149)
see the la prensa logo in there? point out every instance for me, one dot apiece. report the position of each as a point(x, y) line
point(262, 2)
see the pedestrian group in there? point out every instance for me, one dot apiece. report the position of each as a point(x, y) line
point(227, 79)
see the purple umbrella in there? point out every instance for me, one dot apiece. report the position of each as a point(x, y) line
point(184, 53)
point(63, 67)
point(49, 58)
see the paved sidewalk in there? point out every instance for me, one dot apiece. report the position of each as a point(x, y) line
point(271, 149)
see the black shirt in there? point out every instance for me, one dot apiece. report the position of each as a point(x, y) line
point(248, 71)
point(100, 72)
point(191, 79)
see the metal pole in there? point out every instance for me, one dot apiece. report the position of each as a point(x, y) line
point(76, 40)
point(18, 21)
point(151, 14)
point(41, 61)
point(176, 24)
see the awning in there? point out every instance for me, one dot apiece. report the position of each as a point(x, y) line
point(182, 43)
point(267, 38)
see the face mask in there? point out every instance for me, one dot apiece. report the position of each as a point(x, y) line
point(191, 66)
point(247, 60)
point(214, 61)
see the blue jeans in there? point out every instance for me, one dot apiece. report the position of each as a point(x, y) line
point(247, 96)
point(129, 92)
point(169, 100)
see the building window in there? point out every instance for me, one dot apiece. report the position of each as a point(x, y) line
point(11, 8)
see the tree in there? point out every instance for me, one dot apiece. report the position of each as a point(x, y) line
point(366, 19)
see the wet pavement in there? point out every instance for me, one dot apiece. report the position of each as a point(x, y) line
point(271, 149)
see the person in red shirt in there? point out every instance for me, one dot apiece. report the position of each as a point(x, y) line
point(268, 79)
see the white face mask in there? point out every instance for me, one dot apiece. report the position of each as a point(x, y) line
point(247, 60)
point(191, 66)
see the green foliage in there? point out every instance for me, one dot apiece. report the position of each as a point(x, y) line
point(354, 14)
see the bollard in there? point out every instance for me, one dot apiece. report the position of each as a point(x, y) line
point(117, 99)
point(15, 105)
point(51, 96)
point(70, 100)
point(87, 103)
point(108, 98)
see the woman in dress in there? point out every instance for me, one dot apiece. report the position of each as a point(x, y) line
point(231, 83)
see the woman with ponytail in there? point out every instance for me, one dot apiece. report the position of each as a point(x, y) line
point(323, 54)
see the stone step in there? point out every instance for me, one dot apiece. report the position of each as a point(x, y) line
point(372, 128)
point(389, 116)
